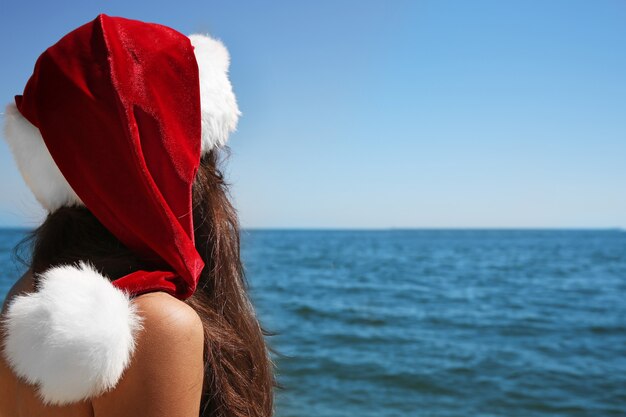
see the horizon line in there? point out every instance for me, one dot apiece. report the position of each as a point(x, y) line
point(442, 228)
point(400, 229)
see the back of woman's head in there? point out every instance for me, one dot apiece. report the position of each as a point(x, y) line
point(238, 377)
point(117, 134)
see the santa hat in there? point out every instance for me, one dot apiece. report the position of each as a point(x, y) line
point(115, 117)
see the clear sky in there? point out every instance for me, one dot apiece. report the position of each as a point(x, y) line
point(392, 113)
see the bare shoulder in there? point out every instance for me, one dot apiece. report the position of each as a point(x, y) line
point(166, 372)
point(165, 316)
point(8, 380)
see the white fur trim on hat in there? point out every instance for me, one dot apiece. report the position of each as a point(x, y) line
point(219, 113)
point(217, 100)
point(35, 163)
point(74, 337)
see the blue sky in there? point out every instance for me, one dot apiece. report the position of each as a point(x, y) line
point(396, 113)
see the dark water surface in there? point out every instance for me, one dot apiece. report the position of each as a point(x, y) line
point(438, 323)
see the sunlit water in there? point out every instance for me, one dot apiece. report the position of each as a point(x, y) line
point(438, 323)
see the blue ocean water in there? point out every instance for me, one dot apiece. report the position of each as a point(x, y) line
point(438, 323)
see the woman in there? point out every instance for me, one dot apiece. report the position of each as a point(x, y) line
point(135, 303)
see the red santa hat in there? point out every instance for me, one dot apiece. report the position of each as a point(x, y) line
point(115, 117)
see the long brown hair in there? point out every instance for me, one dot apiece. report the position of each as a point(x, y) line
point(238, 377)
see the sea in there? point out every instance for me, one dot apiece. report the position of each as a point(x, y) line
point(436, 322)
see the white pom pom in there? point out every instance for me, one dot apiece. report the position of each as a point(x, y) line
point(217, 100)
point(74, 337)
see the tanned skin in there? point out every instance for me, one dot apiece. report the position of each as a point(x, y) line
point(164, 378)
